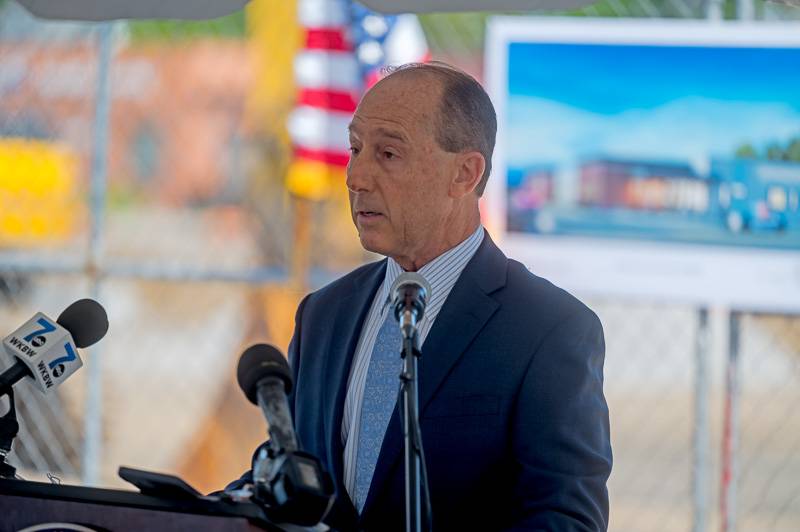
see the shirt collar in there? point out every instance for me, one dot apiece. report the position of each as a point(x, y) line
point(442, 272)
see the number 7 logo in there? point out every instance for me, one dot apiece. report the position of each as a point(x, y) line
point(47, 327)
point(57, 365)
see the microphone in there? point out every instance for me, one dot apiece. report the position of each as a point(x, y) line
point(409, 296)
point(46, 350)
point(265, 378)
point(291, 482)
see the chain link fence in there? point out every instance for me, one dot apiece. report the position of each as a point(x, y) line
point(195, 237)
point(768, 459)
point(649, 374)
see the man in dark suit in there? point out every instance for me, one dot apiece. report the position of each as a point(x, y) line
point(513, 419)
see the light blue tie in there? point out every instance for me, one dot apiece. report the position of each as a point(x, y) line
point(380, 396)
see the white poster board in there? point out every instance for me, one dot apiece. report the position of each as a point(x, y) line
point(649, 159)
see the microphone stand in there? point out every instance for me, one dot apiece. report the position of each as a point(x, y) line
point(9, 427)
point(410, 292)
point(411, 438)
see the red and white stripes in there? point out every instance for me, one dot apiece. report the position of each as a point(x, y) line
point(328, 81)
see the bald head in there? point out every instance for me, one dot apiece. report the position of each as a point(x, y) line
point(465, 117)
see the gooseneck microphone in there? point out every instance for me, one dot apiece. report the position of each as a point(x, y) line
point(291, 483)
point(265, 378)
point(409, 296)
point(46, 350)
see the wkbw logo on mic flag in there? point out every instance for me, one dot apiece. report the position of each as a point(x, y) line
point(46, 348)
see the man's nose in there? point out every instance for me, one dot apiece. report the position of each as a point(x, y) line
point(358, 174)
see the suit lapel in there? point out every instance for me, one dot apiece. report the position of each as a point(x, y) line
point(352, 311)
point(467, 309)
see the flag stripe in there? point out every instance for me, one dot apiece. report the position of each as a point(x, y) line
point(323, 13)
point(328, 99)
point(334, 158)
point(319, 129)
point(324, 69)
point(327, 39)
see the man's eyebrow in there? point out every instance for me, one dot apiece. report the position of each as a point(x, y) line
point(352, 129)
point(392, 134)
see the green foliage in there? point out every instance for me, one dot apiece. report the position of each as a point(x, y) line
point(460, 33)
point(449, 32)
point(793, 150)
point(775, 151)
point(746, 151)
point(231, 26)
point(639, 9)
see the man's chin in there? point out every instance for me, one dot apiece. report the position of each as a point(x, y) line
point(373, 243)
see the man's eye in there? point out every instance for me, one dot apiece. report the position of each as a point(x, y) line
point(353, 150)
point(389, 155)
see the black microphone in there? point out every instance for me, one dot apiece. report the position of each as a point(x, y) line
point(86, 320)
point(45, 350)
point(409, 296)
point(292, 483)
point(265, 378)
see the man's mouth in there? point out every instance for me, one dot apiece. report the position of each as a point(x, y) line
point(369, 214)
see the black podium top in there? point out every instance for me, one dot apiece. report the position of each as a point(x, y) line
point(211, 506)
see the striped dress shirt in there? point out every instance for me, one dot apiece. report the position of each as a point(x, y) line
point(442, 274)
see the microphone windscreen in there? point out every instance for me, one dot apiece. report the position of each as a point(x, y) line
point(258, 362)
point(86, 320)
point(410, 278)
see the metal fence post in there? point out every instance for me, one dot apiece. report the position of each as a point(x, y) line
point(700, 435)
point(714, 10)
point(745, 10)
point(730, 432)
point(93, 421)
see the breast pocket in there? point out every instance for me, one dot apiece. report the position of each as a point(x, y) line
point(463, 406)
point(474, 423)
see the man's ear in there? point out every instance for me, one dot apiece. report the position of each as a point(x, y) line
point(471, 166)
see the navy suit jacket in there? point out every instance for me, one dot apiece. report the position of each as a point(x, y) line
point(513, 418)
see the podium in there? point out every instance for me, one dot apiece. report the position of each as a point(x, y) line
point(24, 504)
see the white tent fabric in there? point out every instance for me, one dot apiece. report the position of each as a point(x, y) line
point(432, 6)
point(205, 9)
point(96, 10)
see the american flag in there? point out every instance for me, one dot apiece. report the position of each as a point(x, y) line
point(345, 48)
